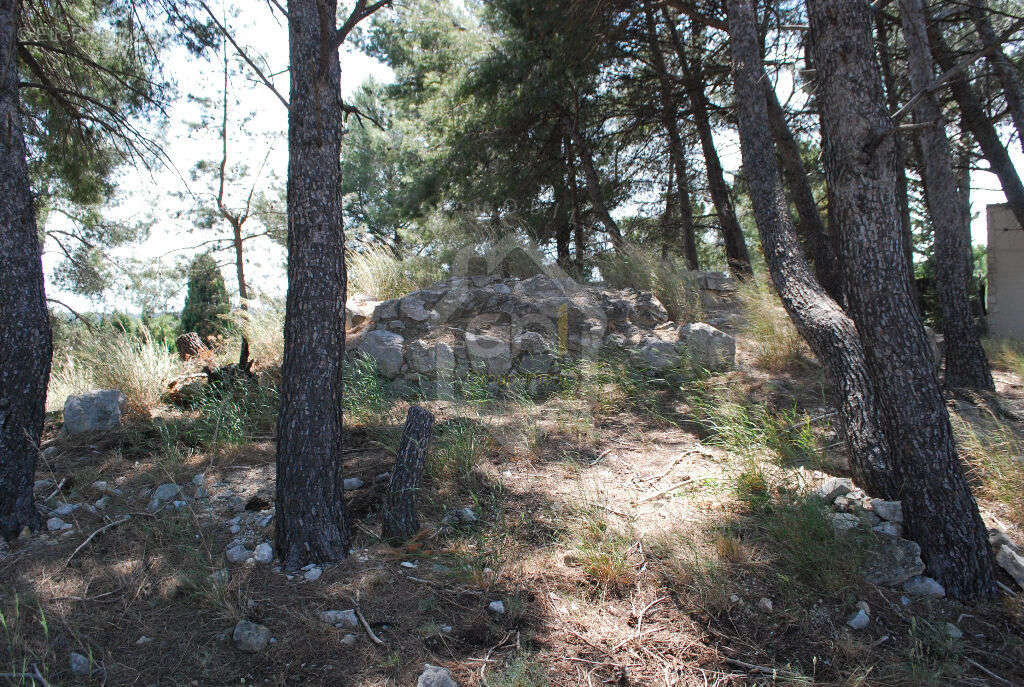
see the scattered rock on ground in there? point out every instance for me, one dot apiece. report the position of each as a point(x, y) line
point(496, 607)
point(264, 553)
point(860, 619)
point(349, 640)
point(80, 665)
point(765, 605)
point(55, 524)
point(353, 483)
point(237, 553)
point(93, 411)
point(345, 618)
point(1012, 563)
point(891, 511)
point(893, 561)
point(923, 586)
point(162, 494)
point(313, 574)
point(436, 676)
point(834, 487)
point(249, 636)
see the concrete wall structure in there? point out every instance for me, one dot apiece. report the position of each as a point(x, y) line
point(1005, 274)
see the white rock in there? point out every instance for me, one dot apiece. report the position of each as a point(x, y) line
point(921, 585)
point(65, 509)
point(237, 553)
point(834, 487)
point(313, 574)
point(409, 564)
point(764, 604)
point(250, 637)
point(80, 665)
point(496, 607)
point(264, 553)
point(349, 640)
point(436, 676)
point(55, 524)
point(162, 494)
point(346, 619)
point(93, 411)
point(1012, 563)
point(143, 640)
point(467, 515)
point(859, 620)
point(708, 347)
point(353, 483)
point(953, 631)
point(888, 510)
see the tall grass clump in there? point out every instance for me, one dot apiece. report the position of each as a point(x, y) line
point(377, 273)
point(995, 458)
point(634, 267)
point(264, 329)
point(367, 397)
point(777, 344)
point(1006, 354)
point(136, 365)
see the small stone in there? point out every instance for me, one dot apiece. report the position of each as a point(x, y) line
point(199, 480)
point(264, 519)
point(834, 487)
point(178, 505)
point(80, 665)
point(353, 483)
point(43, 484)
point(844, 522)
point(764, 604)
point(313, 574)
point(250, 637)
point(100, 486)
point(349, 640)
point(347, 618)
point(162, 494)
point(921, 585)
point(143, 640)
point(497, 607)
point(409, 564)
point(734, 598)
point(891, 529)
point(436, 676)
point(264, 553)
point(237, 553)
point(859, 620)
point(888, 510)
point(55, 524)
point(65, 509)
point(953, 631)
point(102, 502)
point(467, 515)
point(235, 529)
point(445, 629)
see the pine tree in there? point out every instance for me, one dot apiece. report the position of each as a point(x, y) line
point(207, 299)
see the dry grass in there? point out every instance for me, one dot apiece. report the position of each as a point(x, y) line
point(994, 453)
point(1006, 354)
point(778, 347)
point(641, 269)
point(376, 273)
point(264, 328)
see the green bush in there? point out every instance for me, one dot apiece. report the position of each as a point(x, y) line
point(207, 301)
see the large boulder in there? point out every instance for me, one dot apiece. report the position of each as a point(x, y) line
point(893, 561)
point(708, 347)
point(386, 347)
point(93, 411)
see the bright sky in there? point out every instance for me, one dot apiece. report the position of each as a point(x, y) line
point(166, 193)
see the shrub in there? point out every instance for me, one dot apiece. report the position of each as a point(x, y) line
point(377, 273)
point(112, 359)
point(636, 268)
point(207, 302)
point(777, 344)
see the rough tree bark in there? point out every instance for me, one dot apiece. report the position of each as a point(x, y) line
point(25, 340)
point(399, 518)
point(859, 158)
point(826, 264)
point(892, 100)
point(735, 244)
point(1008, 75)
point(980, 124)
point(966, 364)
point(820, 320)
point(190, 346)
point(676, 151)
point(311, 523)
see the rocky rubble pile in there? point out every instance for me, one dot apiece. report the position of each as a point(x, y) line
point(496, 327)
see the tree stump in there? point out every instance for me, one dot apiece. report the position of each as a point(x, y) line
point(191, 346)
point(399, 515)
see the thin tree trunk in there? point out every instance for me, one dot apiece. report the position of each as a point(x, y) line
point(562, 212)
point(732, 235)
point(676, 152)
point(243, 290)
point(860, 155)
point(594, 188)
point(668, 235)
point(578, 230)
point(820, 320)
point(981, 126)
point(966, 364)
point(311, 522)
point(826, 264)
point(1008, 74)
point(892, 100)
point(25, 340)
point(399, 518)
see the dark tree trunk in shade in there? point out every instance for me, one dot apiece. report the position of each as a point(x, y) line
point(732, 235)
point(399, 518)
point(190, 346)
point(820, 320)
point(981, 125)
point(966, 364)
point(676, 151)
point(310, 519)
point(593, 181)
point(810, 226)
point(25, 340)
point(860, 164)
point(563, 223)
point(1007, 73)
point(243, 290)
point(892, 100)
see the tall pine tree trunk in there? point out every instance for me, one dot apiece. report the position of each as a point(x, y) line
point(735, 244)
point(25, 340)
point(676, 151)
point(310, 519)
point(593, 181)
point(966, 364)
point(860, 154)
point(1007, 73)
point(820, 320)
point(980, 124)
